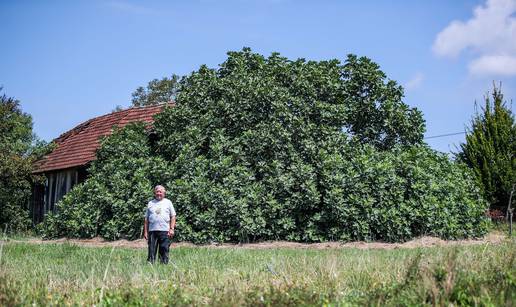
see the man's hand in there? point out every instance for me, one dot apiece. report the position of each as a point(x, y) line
point(170, 233)
point(145, 236)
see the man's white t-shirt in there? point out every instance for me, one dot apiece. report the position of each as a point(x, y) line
point(159, 213)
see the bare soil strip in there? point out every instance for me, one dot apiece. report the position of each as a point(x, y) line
point(492, 238)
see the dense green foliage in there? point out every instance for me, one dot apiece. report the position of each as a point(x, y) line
point(111, 202)
point(360, 195)
point(397, 195)
point(373, 110)
point(156, 92)
point(16, 157)
point(65, 274)
point(490, 150)
point(268, 148)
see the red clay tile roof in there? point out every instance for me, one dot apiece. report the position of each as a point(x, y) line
point(78, 146)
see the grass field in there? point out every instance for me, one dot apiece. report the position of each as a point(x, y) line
point(61, 274)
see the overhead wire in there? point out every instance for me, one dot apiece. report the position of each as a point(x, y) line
point(443, 135)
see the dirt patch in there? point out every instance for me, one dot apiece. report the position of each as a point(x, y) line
point(492, 238)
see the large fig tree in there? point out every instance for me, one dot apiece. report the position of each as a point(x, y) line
point(251, 141)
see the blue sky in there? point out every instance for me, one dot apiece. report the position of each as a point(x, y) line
point(68, 61)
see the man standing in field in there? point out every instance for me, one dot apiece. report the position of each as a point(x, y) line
point(158, 226)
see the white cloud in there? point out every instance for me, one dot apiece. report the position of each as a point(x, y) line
point(415, 82)
point(490, 35)
point(494, 65)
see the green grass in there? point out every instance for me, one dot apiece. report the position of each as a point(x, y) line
point(503, 228)
point(60, 274)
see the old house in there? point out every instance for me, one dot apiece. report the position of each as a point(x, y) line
point(67, 164)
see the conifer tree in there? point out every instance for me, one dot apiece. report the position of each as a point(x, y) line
point(490, 149)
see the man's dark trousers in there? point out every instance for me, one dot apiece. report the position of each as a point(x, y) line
point(158, 238)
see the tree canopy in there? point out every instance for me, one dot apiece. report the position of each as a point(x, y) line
point(157, 91)
point(15, 127)
point(15, 164)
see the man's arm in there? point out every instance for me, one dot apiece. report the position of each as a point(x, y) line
point(172, 226)
point(145, 228)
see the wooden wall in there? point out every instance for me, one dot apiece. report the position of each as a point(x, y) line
point(57, 184)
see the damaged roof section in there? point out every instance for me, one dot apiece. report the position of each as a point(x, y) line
point(77, 147)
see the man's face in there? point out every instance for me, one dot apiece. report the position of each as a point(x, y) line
point(159, 193)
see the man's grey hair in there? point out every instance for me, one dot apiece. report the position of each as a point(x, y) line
point(159, 187)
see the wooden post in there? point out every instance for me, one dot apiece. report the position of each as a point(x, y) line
point(510, 210)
